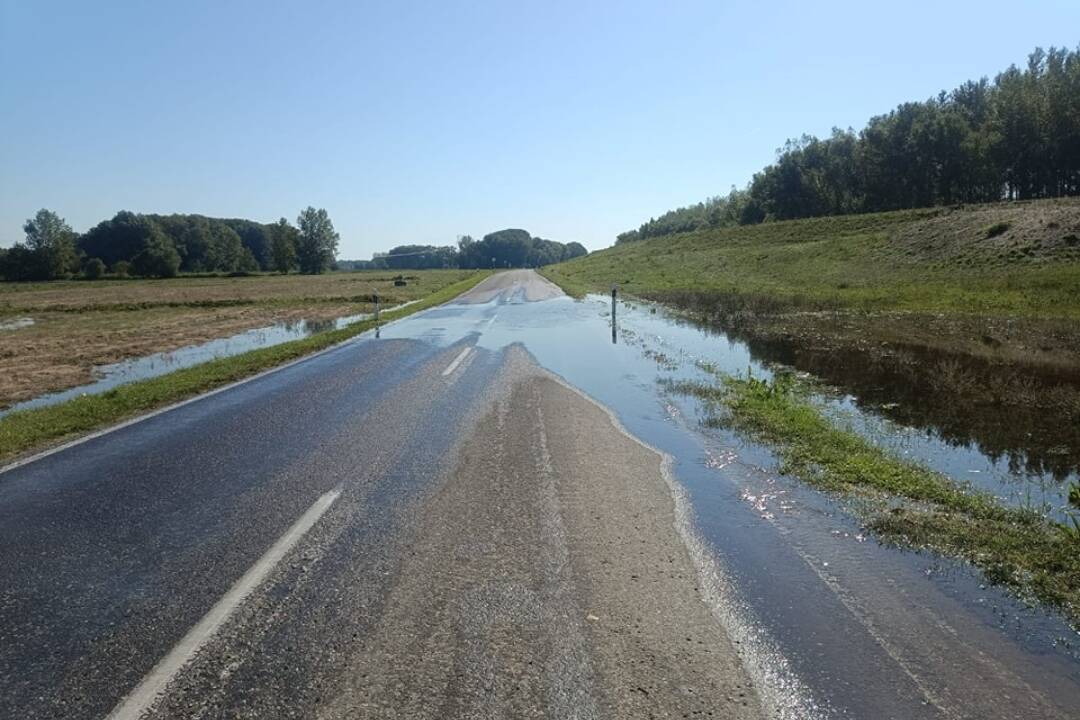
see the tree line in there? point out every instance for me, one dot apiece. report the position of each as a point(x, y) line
point(506, 248)
point(165, 245)
point(1015, 138)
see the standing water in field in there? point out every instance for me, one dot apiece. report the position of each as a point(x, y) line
point(126, 371)
point(16, 324)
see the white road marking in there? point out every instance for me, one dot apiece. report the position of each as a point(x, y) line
point(491, 321)
point(150, 690)
point(457, 361)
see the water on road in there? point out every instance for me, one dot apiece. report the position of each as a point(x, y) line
point(845, 626)
point(118, 547)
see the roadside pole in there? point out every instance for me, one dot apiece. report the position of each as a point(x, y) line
point(376, 295)
point(614, 327)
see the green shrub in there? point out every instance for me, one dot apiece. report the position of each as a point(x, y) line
point(157, 259)
point(94, 269)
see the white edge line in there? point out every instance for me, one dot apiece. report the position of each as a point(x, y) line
point(457, 361)
point(147, 693)
point(209, 393)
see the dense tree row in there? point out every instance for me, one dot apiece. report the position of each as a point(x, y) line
point(514, 248)
point(164, 245)
point(505, 248)
point(1017, 137)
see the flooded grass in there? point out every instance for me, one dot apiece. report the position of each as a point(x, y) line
point(26, 430)
point(906, 503)
point(1025, 412)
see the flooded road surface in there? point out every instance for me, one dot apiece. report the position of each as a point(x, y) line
point(831, 623)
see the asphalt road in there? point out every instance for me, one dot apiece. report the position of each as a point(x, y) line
point(393, 528)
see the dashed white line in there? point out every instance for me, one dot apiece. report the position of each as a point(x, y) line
point(457, 361)
point(150, 690)
point(491, 321)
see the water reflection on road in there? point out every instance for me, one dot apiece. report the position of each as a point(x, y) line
point(868, 631)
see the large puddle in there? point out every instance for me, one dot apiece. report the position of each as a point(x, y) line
point(834, 624)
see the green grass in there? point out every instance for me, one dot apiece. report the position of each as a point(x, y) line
point(26, 430)
point(925, 261)
point(910, 503)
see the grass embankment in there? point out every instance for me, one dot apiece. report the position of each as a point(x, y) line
point(78, 325)
point(27, 430)
point(1017, 259)
point(909, 504)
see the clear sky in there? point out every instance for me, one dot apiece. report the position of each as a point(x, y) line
point(417, 122)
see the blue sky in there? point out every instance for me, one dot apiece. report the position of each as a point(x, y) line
point(417, 122)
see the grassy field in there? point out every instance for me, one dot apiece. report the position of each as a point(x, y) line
point(77, 325)
point(28, 430)
point(1017, 259)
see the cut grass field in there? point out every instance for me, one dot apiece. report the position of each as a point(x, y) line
point(78, 325)
point(907, 503)
point(28, 430)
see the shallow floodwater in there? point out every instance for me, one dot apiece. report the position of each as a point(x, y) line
point(126, 371)
point(1017, 484)
point(831, 623)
